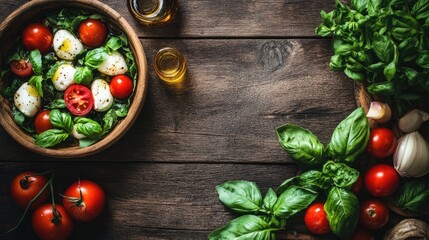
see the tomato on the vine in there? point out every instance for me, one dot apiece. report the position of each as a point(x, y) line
point(373, 214)
point(21, 68)
point(37, 36)
point(49, 223)
point(315, 219)
point(79, 99)
point(92, 32)
point(42, 121)
point(381, 180)
point(25, 186)
point(121, 86)
point(382, 143)
point(84, 200)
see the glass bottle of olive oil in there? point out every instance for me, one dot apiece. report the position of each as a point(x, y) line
point(153, 12)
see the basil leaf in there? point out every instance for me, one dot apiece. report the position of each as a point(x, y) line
point(390, 71)
point(421, 9)
point(51, 137)
point(9, 92)
point(240, 196)
point(269, 200)
point(386, 88)
point(37, 82)
point(121, 110)
point(359, 5)
point(85, 142)
point(53, 69)
point(36, 61)
point(312, 179)
point(61, 120)
point(337, 63)
point(342, 212)
point(88, 127)
point(374, 7)
point(357, 76)
point(350, 137)
point(76, 22)
point(95, 57)
point(56, 103)
point(20, 119)
point(245, 227)
point(423, 59)
point(109, 121)
point(293, 200)
point(113, 44)
point(383, 47)
point(301, 145)
point(83, 75)
point(342, 175)
point(413, 196)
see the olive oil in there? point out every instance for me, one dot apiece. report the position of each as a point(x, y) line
point(170, 65)
point(153, 12)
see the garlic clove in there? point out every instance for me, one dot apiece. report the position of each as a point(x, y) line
point(412, 120)
point(411, 158)
point(379, 112)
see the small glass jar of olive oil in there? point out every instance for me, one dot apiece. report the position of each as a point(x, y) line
point(170, 65)
point(153, 12)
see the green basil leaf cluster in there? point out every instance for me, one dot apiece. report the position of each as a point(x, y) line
point(263, 215)
point(384, 44)
point(413, 196)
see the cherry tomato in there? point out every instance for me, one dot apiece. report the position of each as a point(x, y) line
point(362, 234)
point(42, 121)
point(315, 219)
point(79, 100)
point(21, 68)
point(37, 36)
point(50, 224)
point(92, 32)
point(373, 214)
point(25, 186)
point(84, 200)
point(381, 180)
point(382, 143)
point(357, 186)
point(121, 86)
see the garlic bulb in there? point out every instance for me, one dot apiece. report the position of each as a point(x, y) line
point(412, 120)
point(411, 158)
point(379, 112)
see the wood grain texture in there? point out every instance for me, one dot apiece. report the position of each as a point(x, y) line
point(236, 93)
point(225, 18)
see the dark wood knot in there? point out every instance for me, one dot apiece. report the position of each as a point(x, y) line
point(273, 55)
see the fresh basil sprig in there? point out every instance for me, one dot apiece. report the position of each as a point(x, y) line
point(36, 61)
point(51, 137)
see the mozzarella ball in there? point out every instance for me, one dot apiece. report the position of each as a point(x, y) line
point(63, 77)
point(103, 99)
point(76, 134)
point(113, 65)
point(27, 100)
point(66, 45)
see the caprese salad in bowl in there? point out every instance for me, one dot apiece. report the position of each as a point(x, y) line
point(70, 77)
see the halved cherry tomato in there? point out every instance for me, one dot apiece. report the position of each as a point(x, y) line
point(42, 121)
point(25, 186)
point(21, 68)
point(315, 219)
point(50, 223)
point(381, 180)
point(84, 200)
point(79, 100)
point(373, 214)
point(92, 32)
point(37, 36)
point(121, 86)
point(382, 143)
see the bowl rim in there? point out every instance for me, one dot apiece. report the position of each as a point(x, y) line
point(136, 106)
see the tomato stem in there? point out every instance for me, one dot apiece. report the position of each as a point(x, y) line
point(49, 183)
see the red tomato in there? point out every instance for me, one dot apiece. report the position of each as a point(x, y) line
point(37, 36)
point(121, 86)
point(50, 224)
point(42, 121)
point(92, 32)
point(373, 214)
point(382, 143)
point(315, 219)
point(84, 200)
point(357, 186)
point(362, 234)
point(79, 100)
point(21, 68)
point(25, 186)
point(381, 180)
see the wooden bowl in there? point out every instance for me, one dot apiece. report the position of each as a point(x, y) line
point(11, 27)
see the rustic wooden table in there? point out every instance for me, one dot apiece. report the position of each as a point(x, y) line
point(252, 66)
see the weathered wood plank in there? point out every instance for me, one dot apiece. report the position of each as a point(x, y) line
point(237, 92)
point(225, 18)
point(147, 200)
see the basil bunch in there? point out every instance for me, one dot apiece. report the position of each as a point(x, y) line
point(384, 44)
point(328, 171)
